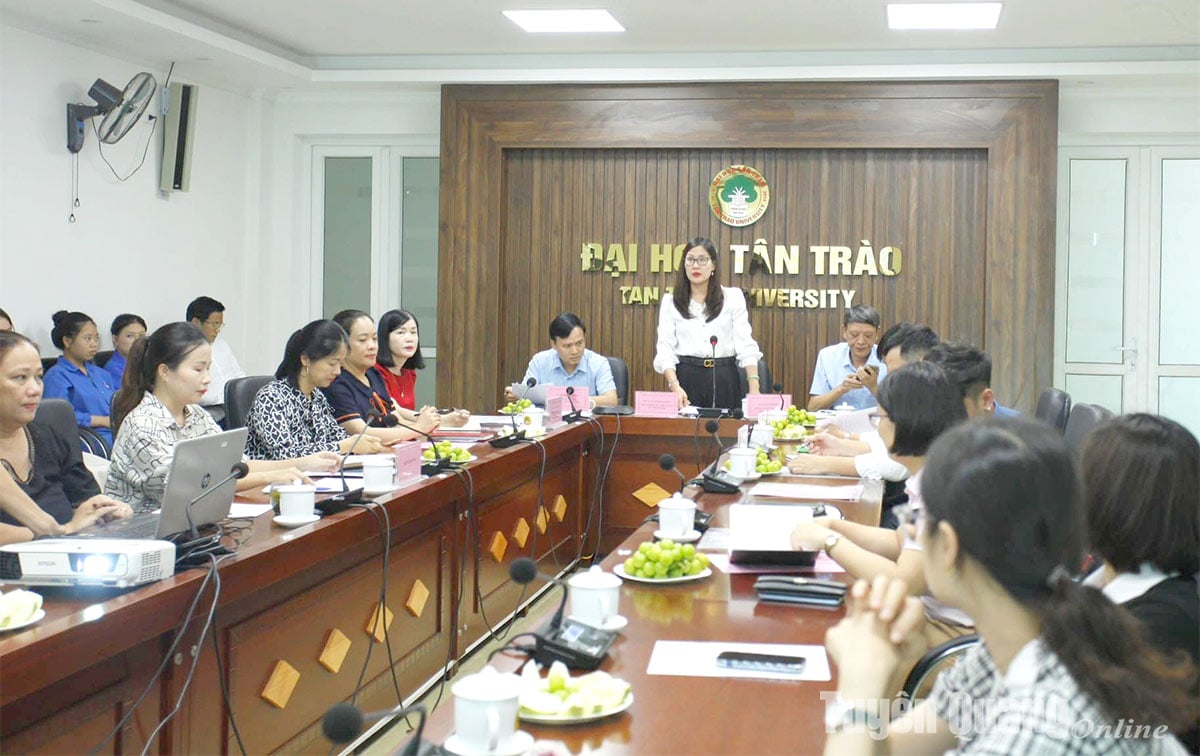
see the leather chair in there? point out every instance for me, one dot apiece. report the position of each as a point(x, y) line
point(1083, 418)
point(239, 396)
point(48, 362)
point(935, 661)
point(620, 373)
point(101, 359)
point(60, 415)
point(764, 378)
point(1053, 408)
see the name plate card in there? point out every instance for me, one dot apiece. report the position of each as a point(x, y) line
point(554, 409)
point(579, 398)
point(754, 404)
point(655, 404)
point(408, 461)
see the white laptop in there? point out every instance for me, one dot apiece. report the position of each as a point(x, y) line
point(199, 463)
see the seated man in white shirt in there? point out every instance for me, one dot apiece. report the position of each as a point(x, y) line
point(208, 315)
point(568, 362)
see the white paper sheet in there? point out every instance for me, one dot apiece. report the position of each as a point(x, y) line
point(806, 491)
point(331, 485)
point(245, 510)
point(697, 659)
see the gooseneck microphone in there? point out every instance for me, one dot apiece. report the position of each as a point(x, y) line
point(713, 480)
point(778, 389)
point(712, 340)
point(238, 471)
point(575, 415)
point(667, 462)
point(344, 722)
point(439, 463)
point(574, 643)
point(530, 382)
point(348, 495)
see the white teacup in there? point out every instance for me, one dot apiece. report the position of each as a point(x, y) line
point(741, 461)
point(594, 596)
point(762, 435)
point(533, 419)
point(379, 472)
point(485, 710)
point(676, 516)
point(296, 501)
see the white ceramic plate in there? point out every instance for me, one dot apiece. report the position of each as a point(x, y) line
point(570, 719)
point(38, 616)
point(288, 522)
point(471, 458)
point(619, 571)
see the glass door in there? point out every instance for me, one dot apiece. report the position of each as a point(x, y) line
point(1127, 262)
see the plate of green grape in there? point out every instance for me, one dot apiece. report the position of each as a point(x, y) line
point(517, 407)
point(447, 450)
point(661, 562)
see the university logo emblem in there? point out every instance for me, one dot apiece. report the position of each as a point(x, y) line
point(738, 195)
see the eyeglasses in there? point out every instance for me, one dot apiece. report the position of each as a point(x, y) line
point(696, 262)
point(875, 417)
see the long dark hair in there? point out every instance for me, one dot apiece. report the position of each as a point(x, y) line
point(922, 404)
point(125, 319)
point(169, 345)
point(1013, 495)
point(388, 322)
point(316, 341)
point(1141, 475)
point(682, 295)
point(67, 325)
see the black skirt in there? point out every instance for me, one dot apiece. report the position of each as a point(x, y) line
point(698, 380)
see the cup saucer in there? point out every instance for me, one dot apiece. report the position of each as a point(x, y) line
point(519, 743)
point(294, 522)
point(612, 624)
point(688, 537)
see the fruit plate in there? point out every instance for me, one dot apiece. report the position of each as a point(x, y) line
point(619, 571)
point(773, 472)
point(37, 616)
point(470, 458)
point(570, 719)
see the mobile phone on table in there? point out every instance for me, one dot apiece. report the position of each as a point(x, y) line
point(743, 660)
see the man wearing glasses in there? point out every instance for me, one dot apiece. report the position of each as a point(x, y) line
point(208, 315)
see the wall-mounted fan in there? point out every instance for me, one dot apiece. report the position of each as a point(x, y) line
point(121, 110)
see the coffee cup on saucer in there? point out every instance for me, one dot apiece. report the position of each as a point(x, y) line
point(676, 517)
point(594, 596)
point(533, 419)
point(485, 715)
point(741, 461)
point(296, 501)
point(378, 472)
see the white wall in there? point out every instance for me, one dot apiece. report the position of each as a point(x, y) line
point(131, 248)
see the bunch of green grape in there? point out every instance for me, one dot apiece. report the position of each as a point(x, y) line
point(448, 451)
point(513, 408)
point(792, 426)
point(764, 464)
point(665, 559)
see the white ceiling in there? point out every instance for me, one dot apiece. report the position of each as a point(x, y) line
point(273, 43)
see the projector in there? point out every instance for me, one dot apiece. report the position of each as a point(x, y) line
point(111, 562)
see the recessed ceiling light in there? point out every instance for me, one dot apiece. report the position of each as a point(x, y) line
point(943, 16)
point(564, 21)
point(90, 21)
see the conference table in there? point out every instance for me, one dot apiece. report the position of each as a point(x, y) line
point(300, 620)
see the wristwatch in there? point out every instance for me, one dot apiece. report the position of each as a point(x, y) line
point(831, 540)
point(842, 715)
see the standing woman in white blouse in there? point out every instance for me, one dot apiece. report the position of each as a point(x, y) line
point(698, 311)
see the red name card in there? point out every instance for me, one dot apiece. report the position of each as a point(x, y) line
point(408, 461)
point(579, 398)
point(655, 404)
point(756, 403)
point(554, 409)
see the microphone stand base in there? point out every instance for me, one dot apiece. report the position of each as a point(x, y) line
point(575, 644)
point(430, 469)
point(503, 442)
point(573, 417)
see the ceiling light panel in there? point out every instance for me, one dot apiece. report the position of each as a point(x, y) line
point(943, 16)
point(564, 21)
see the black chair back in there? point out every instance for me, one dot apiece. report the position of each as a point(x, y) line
point(1083, 418)
point(764, 379)
point(920, 680)
point(48, 362)
point(60, 415)
point(620, 373)
point(101, 359)
point(1053, 408)
point(239, 395)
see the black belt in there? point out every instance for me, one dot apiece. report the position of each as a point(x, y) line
point(709, 362)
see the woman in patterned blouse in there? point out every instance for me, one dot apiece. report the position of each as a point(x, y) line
point(158, 406)
point(1059, 670)
point(289, 416)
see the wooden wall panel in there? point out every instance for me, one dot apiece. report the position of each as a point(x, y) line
point(818, 197)
point(960, 175)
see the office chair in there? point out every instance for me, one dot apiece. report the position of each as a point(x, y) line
point(935, 661)
point(1053, 408)
point(60, 415)
point(620, 373)
point(48, 362)
point(1083, 418)
point(101, 359)
point(239, 396)
point(764, 378)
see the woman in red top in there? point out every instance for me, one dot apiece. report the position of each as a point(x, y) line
point(398, 361)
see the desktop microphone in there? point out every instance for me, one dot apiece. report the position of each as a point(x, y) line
point(712, 340)
point(575, 415)
point(778, 389)
point(439, 463)
point(575, 644)
point(344, 722)
point(713, 480)
point(239, 470)
point(348, 496)
point(667, 462)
